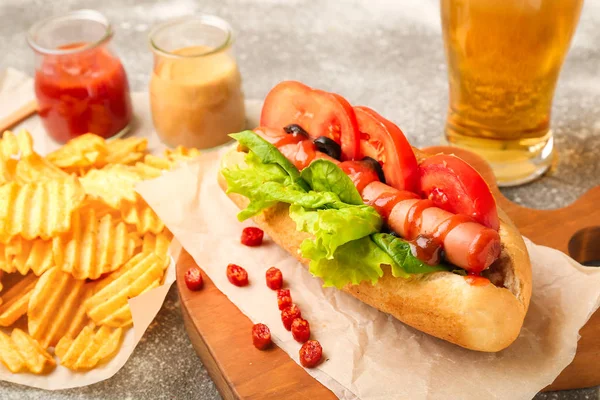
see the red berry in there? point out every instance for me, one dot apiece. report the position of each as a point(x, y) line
point(193, 278)
point(300, 330)
point(252, 236)
point(261, 336)
point(310, 354)
point(274, 278)
point(237, 275)
point(289, 314)
point(284, 299)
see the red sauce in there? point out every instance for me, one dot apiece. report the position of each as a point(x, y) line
point(286, 138)
point(479, 256)
point(413, 217)
point(82, 92)
point(427, 249)
point(300, 152)
point(444, 228)
point(360, 173)
point(476, 280)
point(386, 201)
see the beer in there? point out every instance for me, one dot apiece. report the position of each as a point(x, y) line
point(504, 58)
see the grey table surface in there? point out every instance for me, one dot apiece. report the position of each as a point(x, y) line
point(385, 54)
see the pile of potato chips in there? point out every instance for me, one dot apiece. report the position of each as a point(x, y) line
point(76, 242)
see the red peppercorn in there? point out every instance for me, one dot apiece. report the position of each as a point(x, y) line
point(252, 236)
point(237, 275)
point(274, 278)
point(284, 299)
point(289, 314)
point(261, 336)
point(193, 278)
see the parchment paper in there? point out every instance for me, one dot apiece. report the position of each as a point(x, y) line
point(368, 354)
point(16, 88)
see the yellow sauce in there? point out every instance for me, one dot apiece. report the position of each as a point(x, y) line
point(197, 100)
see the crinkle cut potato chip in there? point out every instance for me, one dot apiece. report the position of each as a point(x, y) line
point(108, 305)
point(34, 168)
point(16, 146)
point(159, 244)
point(89, 348)
point(113, 185)
point(142, 216)
point(21, 255)
point(81, 152)
point(15, 300)
point(8, 167)
point(94, 246)
point(56, 307)
point(158, 162)
point(20, 353)
point(126, 151)
point(38, 209)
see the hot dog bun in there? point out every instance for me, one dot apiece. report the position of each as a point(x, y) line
point(443, 304)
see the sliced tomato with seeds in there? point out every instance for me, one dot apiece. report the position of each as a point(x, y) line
point(318, 112)
point(453, 185)
point(237, 275)
point(274, 279)
point(310, 354)
point(261, 336)
point(383, 141)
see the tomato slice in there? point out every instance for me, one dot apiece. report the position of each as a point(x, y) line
point(382, 140)
point(453, 185)
point(319, 113)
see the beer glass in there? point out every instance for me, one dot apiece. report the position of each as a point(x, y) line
point(504, 58)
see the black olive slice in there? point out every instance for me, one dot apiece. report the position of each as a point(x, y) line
point(295, 129)
point(328, 146)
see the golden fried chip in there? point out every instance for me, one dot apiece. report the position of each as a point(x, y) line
point(36, 358)
point(82, 152)
point(159, 244)
point(35, 168)
point(147, 171)
point(89, 348)
point(141, 216)
point(8, 167)
point(15, 300)
point(55, 307)
point(16, 146)
point(10, 355)
point(157, 162)
point(94, 246)
point(113, 184)
point(1, 284)
point(181, 153)
point(126, 151)
point(108, 306)
point(28, 255)
point(38, 209)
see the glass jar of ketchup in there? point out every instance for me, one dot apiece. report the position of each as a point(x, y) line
point(80, 84)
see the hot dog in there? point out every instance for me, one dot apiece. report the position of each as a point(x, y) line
point(483, 311)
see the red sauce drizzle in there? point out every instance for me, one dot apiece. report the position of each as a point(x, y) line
point(413, 217)
point(474, 279)
point(444, 228)
point(296, 148)
point(427, 249)
point(478, 255)
point(386, 201)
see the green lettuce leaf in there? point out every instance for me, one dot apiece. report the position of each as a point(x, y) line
point(333, 227)
point(325, 176)
point(354, 262)
point(268, 154)
point(405, 264)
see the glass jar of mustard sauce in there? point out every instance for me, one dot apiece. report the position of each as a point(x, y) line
point(195, 91)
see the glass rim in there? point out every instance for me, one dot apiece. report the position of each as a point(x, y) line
point(203, 19)
point(90, 15)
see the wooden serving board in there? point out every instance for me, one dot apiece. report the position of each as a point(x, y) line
point(220, 332)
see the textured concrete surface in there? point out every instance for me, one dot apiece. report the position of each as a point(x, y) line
point(385, 54)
